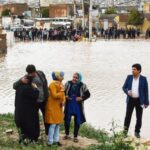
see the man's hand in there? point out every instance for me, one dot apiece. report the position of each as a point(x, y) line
point(34, 86)
point(130, 93)
point(78, 99)
point(24, 80)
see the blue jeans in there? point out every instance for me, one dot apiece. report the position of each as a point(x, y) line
point(53, 134)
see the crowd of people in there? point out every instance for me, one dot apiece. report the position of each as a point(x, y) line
point(147, 35)
point(79, 34)
point(114, 33)
point(58, 34)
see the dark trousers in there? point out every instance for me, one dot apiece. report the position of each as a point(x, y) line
point(133, 103)
point(41, 107)
point(76, 127)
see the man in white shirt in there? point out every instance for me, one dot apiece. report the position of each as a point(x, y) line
point(136, 88)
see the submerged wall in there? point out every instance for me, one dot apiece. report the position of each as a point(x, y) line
point(3, 43)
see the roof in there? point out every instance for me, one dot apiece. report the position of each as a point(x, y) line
point(109, 17)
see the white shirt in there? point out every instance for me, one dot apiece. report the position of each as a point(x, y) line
point(135, 87)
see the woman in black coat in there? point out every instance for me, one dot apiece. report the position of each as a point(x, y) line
point(76, 93)
point(26, 111)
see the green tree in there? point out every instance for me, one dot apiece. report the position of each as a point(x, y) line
point(45, 13)
point(6, 12)
point(110, 10)
point(135, 17)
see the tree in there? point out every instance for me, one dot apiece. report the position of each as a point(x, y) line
point(135, 17)
point(110, 10)
point(45, 12)
point(6, 12)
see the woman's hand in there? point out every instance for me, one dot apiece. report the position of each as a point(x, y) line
point(62, 88)
point(24, 80)
point(62, 104)
point(78, 99)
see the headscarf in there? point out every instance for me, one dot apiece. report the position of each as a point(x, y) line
point(57, 75)
point(76, 85)
point(79, 77)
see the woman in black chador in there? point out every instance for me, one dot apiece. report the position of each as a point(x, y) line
point(26, 111)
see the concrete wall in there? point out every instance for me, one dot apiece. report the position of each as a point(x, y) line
point(146, 25)
point(122, 25)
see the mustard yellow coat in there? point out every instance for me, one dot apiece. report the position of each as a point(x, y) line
point(54, 110)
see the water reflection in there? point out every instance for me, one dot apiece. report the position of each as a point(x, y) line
point(104, 66)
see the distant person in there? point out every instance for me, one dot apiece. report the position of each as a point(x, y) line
point(76, 93)
point(40, 80)
point(26, 111)
point(147, 34)
point(54, 108)
point(136, 88)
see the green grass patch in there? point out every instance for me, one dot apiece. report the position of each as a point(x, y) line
point(106, 141)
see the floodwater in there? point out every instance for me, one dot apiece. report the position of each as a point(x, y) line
point(103, 64)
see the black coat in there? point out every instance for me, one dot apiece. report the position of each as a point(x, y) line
point(26, 111)
point(82, 92)
point(43, 79)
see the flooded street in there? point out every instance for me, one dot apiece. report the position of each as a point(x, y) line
point(104, 65)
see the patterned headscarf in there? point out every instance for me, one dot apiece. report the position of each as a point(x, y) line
point(57, 75)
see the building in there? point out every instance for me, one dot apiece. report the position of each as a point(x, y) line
point(15, 8)
point(147, 7)
point(121, 20)
point(146, 23)
point(109, 19)
point(46, 3)
point(60, 10)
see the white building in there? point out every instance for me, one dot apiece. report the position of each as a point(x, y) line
point(48, 2)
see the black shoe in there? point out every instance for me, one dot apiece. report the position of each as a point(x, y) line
point(49, 145)
point(57, 143)
point(137, 135)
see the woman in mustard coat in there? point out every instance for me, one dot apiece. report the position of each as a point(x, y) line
point(54, 108)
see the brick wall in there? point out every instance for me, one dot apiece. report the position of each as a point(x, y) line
point(60, 10)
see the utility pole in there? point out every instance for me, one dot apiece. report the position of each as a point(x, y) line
point(75, 13)
point(112, 3)
point(138, 2)
point(40, 9)
point(90, 21)
point(83, 19)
